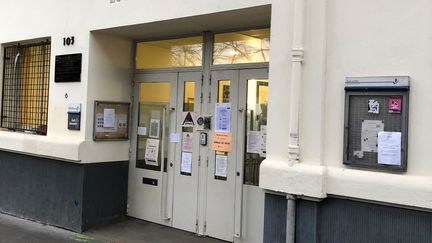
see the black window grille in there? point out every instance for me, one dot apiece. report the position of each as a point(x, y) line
point(25, 87)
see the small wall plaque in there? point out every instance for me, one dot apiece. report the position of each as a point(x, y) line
point(68, 68)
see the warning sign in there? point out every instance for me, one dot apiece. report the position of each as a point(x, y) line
point(188, 119)
point(221, 141)
point(187, 142)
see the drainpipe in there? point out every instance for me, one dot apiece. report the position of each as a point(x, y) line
point(296, 76)
point(295, 97)
point(291, 216)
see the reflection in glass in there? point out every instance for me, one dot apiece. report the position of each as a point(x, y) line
point(223, 97)
point(184, 52)
point(256, 129)
point(155, 92)
point(189, 96)
point(242, 47)
point(224, 91)
point(188, 105)
point(154, 99)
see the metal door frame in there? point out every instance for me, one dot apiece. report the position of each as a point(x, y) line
point(166, 213)
point(207, 68)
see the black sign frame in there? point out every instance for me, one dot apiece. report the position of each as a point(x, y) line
point(68, 68)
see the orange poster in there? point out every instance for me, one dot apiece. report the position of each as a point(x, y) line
point(221, 141)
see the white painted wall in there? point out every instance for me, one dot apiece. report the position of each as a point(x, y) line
point(26, 20)
point(394, 39)
point(106, 67)
point(342, 38)
point(110, 79)
point(358, 38)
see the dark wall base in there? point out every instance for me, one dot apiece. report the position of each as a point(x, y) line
point(68, 195)
point(105, 193)
point(275, 218)
point(338, 220)
point(346, 221)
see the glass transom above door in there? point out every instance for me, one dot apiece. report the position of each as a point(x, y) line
point(184, 52)
point(240, 47)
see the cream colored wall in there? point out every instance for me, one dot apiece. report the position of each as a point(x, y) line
point(110, 79)
point(356, 38)
point(280, 67)
point(22, 20)
point(127, 12)
point(26, 20)
point(394, 39)
point(341, 38)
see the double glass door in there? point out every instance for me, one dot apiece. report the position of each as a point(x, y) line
point(188, 176)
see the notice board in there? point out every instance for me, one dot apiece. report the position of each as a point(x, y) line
point(376, 128)
point(111, 120)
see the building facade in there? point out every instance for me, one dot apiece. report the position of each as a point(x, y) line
point(247, 121)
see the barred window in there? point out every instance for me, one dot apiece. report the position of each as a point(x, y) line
point(25, 87)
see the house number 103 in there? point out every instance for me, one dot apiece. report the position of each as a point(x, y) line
point(68, 41)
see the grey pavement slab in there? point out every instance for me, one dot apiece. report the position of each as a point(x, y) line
point(16, 230)
point(133, 230)
point(128, 230)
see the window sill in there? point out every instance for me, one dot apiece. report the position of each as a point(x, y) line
point(65, 149)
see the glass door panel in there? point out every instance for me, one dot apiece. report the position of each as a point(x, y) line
point(252, 125)
point(222, 171)
point(150, 177)
point(154, 99)
point(255, 129)
point(186, 168)
point(152, 137)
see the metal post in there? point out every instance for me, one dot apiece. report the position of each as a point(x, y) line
point(291, 217)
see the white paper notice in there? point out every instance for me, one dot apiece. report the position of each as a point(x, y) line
point(253, 142)
point(222, 117)
point(142, 131)
point(221, 165)
point(109, 118)
point(369, 135)
point(152, 152)
point(154, 128)
point(174, 137)
point(187, 142)
point(389, 148)
point(186, 163)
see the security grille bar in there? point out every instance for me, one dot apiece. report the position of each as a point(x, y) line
point(25, 87)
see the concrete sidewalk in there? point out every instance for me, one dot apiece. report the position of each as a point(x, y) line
point(129, 230)
point(19, 230)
